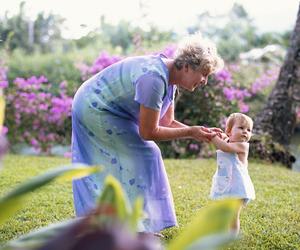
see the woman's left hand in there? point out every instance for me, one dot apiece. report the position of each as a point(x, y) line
point(203, 134)
point(217, 130)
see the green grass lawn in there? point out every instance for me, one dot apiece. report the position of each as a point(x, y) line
point(272, 221)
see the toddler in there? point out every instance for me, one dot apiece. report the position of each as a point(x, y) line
point(231, 178)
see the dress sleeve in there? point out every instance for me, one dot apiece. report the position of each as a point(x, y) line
point(150, 90)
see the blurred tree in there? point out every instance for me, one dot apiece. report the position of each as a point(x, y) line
point(278, 118)
point(47, 29)
point(235, 32)
point(118, 35)
point(27, 34)
point(15, 27)
point(127, 36)
point(273, 38)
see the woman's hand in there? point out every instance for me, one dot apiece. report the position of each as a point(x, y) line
point(217, 130)
point(201, 133)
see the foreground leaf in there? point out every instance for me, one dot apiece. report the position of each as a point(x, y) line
point(114, 196)
point(212, 242)
point(137, 213)
point(36, 239)
point(215, 218)
point(13, 201)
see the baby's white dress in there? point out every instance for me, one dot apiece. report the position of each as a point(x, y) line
point(231, 179)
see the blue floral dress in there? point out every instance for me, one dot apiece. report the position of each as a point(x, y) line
point(105, 130)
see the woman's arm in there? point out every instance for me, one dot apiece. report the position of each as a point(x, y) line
point(232, 147)
point(150, 129)
point(168, 120)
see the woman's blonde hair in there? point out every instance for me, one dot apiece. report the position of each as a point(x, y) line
point(234, 117)
point(201, 54)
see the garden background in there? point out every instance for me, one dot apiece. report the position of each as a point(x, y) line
point(40, 70)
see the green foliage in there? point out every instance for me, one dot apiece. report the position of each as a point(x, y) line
point(56, 67)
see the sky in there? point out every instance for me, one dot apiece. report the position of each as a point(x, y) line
point(267, 15)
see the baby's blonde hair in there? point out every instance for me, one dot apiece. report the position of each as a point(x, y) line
point(237, 117)
point(201, 54)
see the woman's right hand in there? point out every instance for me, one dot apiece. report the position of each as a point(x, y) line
point(201, 133)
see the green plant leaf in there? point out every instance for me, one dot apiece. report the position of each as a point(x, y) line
point(39, 237)
point(11, 202)
point(114, 196)
point(137, 213)
point(212, 242)
point(215, 218)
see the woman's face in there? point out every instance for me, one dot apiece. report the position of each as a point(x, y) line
point(192, 79)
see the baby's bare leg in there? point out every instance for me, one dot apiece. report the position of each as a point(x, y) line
point(235, 227)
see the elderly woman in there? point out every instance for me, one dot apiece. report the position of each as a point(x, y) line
point(119, 113)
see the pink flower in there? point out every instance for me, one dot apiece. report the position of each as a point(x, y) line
point(34, 142)
point(4, 130)
point(3, 84)
point(224, 76)
point(193, 147)
point(244, 108)
point(68, 154)
point(63, 85)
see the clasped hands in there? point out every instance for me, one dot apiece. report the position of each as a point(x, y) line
point(201, 133)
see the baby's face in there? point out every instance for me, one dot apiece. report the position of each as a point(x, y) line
point(240, 132)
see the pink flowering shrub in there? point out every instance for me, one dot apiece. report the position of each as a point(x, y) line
point(36, 116)
point(101, 62)
point(104, 60)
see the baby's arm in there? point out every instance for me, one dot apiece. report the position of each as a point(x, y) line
point(223, 136)
point(232, 147)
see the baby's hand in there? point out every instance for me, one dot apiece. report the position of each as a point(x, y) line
point(224, 136)
point(217, 130)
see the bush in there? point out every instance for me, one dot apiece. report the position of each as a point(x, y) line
point(36, 116)
point(56, 67)
point(234, 89)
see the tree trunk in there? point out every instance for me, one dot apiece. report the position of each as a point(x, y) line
point(278, 117)
point(275, 124)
